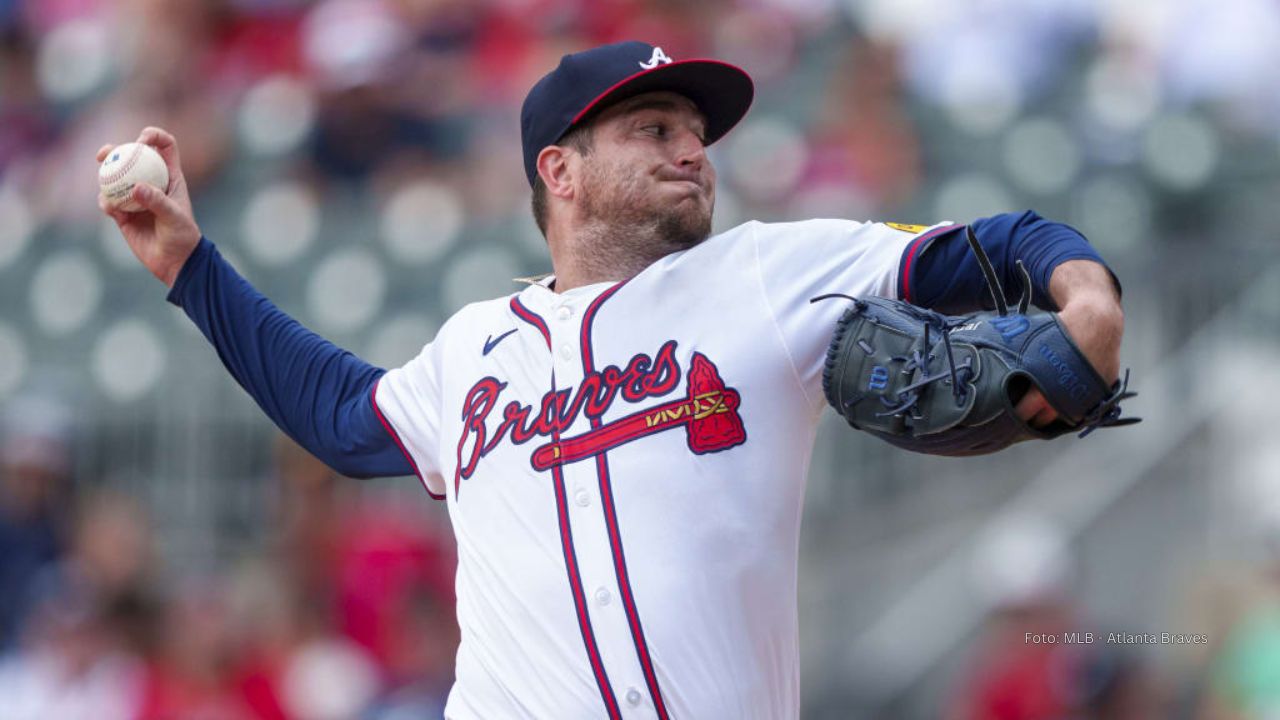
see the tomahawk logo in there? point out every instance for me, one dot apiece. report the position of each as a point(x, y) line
point(658, 58)
point(708, 413)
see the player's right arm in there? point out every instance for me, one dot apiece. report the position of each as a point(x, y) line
point(319, 394)
point(166, 234)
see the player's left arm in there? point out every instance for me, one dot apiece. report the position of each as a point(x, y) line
point(1067, 275)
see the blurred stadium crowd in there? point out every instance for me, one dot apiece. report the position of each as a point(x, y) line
point(345, 611)
point(162, 556)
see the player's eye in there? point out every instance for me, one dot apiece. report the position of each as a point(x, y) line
point(656, 129)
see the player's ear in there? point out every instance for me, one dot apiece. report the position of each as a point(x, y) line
point(556, 171)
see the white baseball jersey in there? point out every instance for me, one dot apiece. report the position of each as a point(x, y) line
point(624, 465)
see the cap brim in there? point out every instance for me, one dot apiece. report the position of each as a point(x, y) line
point(722, 92)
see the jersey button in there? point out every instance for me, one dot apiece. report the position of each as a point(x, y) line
point(564, 312)
point(633, 697)
point(582, 498)
point(566, 352)
point(603, 596)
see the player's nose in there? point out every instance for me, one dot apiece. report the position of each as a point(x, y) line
point(690, 152)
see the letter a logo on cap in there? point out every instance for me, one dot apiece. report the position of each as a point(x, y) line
point(658, 58)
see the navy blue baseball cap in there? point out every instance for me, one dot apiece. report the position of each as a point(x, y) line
point(585, 83)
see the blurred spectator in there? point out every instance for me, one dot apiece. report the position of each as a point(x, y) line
point(393, 80)
point(112, 555)
point(192, 673)
point(90, 622)
point(391, 573)
point(1242, 680)
point(1039, 679)
point(307, 519)
point(1032, 663)
point(371, 557)
point(1245, 680)
point(419, 645)
point(26, 124)
point(1224, 53)
point(72, 667)
point(360, 605)
point(35, 466)
point(865, 156)
point(975, 51)
point(327, 677)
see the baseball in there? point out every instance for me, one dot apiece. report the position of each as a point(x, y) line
point(127, 165)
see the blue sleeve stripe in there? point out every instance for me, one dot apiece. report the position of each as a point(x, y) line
point(373, 400)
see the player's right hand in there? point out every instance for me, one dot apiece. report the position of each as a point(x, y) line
point(165, 233)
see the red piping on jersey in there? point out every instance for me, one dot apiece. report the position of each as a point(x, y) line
point(912, 250)
point(566, 544)
point(575, 584)
point(373, 400)
point(528, 316)
point(611, 521)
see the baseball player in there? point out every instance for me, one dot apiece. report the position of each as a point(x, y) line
point(622, 446)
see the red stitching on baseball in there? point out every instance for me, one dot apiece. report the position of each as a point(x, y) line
point(128, 165)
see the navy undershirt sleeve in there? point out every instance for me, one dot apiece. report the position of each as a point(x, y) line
point(318, 393)
point(940, 271)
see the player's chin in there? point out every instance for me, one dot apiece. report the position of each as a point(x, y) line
point(685, 227)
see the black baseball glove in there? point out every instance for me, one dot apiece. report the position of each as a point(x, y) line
point(948, 385)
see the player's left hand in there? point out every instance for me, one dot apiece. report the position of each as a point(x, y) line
point(1094, 319)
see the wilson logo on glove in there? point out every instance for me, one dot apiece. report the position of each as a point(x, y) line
point(1010, 327)
point(879, 378)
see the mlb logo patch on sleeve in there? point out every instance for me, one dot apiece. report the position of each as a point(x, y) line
point(904, 227)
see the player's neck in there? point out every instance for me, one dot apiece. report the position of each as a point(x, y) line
point(575, 274)
point(596, 255)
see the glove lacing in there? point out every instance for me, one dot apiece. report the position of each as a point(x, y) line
point(957, 375)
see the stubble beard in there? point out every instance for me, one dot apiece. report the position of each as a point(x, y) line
point(627, 228)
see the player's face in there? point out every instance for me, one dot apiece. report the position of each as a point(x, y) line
point(648, 168)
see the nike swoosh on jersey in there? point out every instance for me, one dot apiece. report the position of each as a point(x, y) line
point(491, 342)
